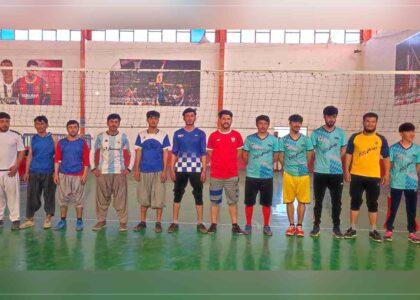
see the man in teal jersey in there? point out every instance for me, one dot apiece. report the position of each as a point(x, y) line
point(329, 143)
point(296, 151)
point(405, 165)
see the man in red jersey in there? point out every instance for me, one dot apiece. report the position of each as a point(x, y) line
point(224, 147)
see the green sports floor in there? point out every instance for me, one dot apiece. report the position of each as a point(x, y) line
point(187, 250)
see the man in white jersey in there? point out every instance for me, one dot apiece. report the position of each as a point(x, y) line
point(11, 154)
point(112, 160)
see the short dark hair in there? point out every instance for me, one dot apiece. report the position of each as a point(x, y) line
point(6, 61)
point(72, 122)
point(4, 115)
point(31, 63)
point(189, 110)
point(370, 115)
point(41, 118)
point(113, 117)
point(296, 118)
point(406, 127)
point(225, 112)
point(330, 110)
point(262, 118)
point(152, 114)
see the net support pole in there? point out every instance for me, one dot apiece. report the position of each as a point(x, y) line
point(85, 36)
point(221, 39)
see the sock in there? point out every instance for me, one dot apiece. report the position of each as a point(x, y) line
point(249, 209)
point(266, 210)
point(63, 218)
point(372, 227)
point(292, 224)
point(299, 225)
point(353, 226)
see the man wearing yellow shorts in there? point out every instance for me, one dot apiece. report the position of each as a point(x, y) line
point(295, 151)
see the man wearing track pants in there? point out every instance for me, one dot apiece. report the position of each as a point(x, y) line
point(405, 165)
point(329, 144)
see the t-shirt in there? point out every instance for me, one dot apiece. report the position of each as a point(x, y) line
point(327, 146)
point(260, 155)
point(295, 158)
point(111, 152)
point(32, 93)
point(152, 146)
point(224, 157)
point(11, 142)
point(189, 146)
point(403, 171)
point(367, 151)
point(43, 150)
point(72, 155)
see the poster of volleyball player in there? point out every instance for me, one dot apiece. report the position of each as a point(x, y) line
point(39, 87)
point(174, 83)
point(407, 86)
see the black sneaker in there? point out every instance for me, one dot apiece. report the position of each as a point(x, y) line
point(158, 227)
point(337, 233)
point(1, 223)
point(350, 233)
point(375, 236)
point(140, 226)
point(173, 227)
point(315, 231)
point(236, 229)
point(15, 225)
point(201, 228)
point(212, 229)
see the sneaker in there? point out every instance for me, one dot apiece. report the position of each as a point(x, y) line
point(412, 237)
point(1, 223)
point(47, 223)
point(140, 226)
point(27, 224)
point(337, 233)
point(350, 233)
point(173, 228)
point(61, 225)
point(248, 229)
point(315, 231)
point(299, 231)
point(15, 225)
point(291, 230)
point(236, 229)
point(79, 225)
point(375, 236)
point(158, 227)
point(123, 227)
point(388, 236)
point(201, 228)
point(98, 226)
point(213, 228)
point(267, 231)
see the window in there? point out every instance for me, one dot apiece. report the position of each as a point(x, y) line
point(35, 35)
point(75, 35)
point(21, 35)
point(262, 36)
point(140, 35)
point(98, 35)
point(322, 36)
point(63, 35)
point(183, 36)
point(7, 34)
point(155, 36)
point(169, 36)
point(126, 35)
point(112, 35)
point(277, 36)
point(211, 35)
point(307, 36)
point(248, 36)
point(49, 35)
point(292, 36)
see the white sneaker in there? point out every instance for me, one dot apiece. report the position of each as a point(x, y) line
point(47, 223)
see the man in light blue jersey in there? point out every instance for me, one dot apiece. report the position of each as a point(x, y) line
point(112, 160)
point(329, 144)
point(405, 165)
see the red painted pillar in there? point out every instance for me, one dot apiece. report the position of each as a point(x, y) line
point(365, 35)
point(86, 35)
point(221, 39)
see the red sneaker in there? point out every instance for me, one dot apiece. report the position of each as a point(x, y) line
point(299, 231)
point(291, 230)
